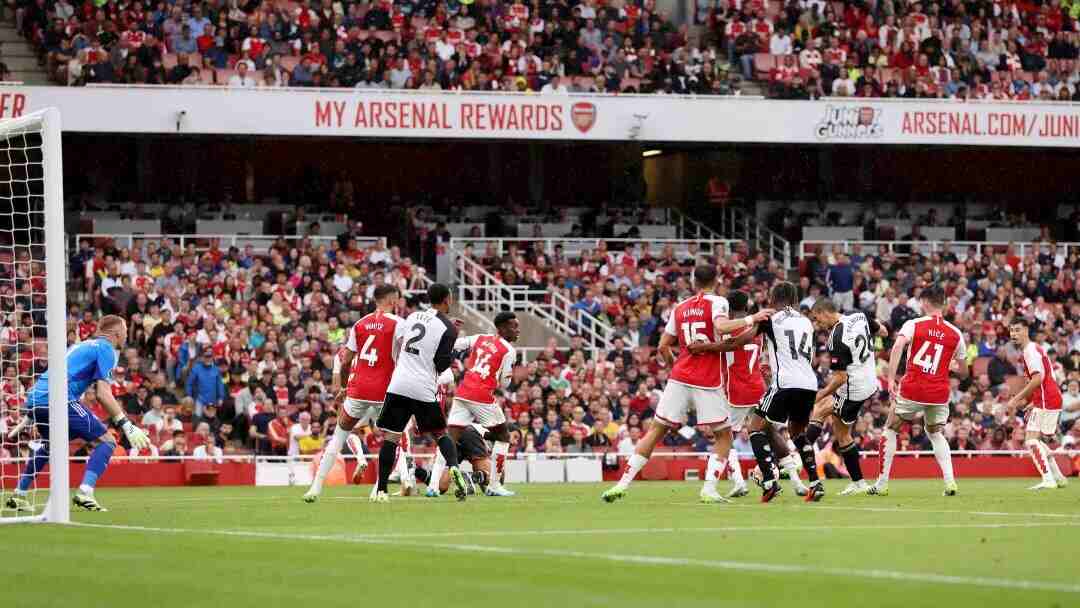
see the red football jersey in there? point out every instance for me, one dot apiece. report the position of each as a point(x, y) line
point(932, 345)
point(1035, 361)
point(372, 339)
point(693, 320)
point(743, 383)
point(488, 367)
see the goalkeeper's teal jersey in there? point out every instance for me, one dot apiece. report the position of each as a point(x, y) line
point(87, 362)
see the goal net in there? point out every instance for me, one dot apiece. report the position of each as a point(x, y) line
point(33, 332)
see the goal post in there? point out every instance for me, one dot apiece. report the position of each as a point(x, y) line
point(34, 313)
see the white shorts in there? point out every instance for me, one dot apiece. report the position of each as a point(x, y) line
point(464, 413)
point(710, 405)
point(739, 416)
point(367, 412)
point(1043, 421)
point(932, 414)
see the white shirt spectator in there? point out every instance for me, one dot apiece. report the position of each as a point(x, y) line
point(205, 452)
point(780, 44)
point(810, 58)
point(343, 282)
point(554, 89)
point(843, 87)
point(241, 81)
point(444, 49)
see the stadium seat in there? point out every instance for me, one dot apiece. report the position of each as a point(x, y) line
point(763, 64)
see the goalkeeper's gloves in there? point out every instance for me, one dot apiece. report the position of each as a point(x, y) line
point(135, 436)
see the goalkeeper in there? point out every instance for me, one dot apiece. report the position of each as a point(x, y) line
point(89, 364)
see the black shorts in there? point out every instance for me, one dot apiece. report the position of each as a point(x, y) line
point(471, 446)
point(397, 410)
point(787, 405)
point(847, 410)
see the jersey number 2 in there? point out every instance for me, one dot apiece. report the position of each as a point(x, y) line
point(419, 332)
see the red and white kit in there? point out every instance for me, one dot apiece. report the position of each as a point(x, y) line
point(744, 386)
point(488, 368)
point(1046, 400)
point(933, 343)
point(372, 340)
point(696, 380)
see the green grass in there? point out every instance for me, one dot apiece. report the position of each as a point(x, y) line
point(555, 545)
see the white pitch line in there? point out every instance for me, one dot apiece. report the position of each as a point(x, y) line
point(894, 575)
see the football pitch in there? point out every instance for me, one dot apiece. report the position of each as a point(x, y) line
point(995, 544)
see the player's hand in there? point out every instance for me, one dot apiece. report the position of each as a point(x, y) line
point(339, 396)
point(763, 315)
point(458, 323)
point(696, 348)
point(883, 330)
point(135, 436)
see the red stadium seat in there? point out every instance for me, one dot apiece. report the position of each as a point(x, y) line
point(763, 64)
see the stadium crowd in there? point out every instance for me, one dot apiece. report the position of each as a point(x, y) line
point(230, 350)
point(800, 49)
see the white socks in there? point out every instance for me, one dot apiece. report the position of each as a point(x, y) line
point(713, 469)
point(888, 453)
point(437, 471)
point(1053, 465)
point(328, 458)
point(499, 451)
point(790, 465)
point(634, 464)
point(85, 489)
point(942, 455)
point(735, 468)
point(1040, 455)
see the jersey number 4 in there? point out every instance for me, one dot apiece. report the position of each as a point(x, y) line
point(369, 354)
point(923, 359)
point(804, 346)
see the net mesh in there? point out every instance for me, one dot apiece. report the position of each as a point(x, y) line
point(23, 347)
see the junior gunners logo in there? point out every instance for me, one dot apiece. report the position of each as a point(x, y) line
point(860, 122)
point(583, 115)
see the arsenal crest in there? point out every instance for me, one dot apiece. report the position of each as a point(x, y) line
point(583, 115)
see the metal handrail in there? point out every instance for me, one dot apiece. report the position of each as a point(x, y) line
point(734, 221)
point(574, 246)
point(224, 240)
point(960, 248)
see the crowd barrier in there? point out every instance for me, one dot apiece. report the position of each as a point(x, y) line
point(533, 468)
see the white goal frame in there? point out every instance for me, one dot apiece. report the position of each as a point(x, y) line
point(47, 122)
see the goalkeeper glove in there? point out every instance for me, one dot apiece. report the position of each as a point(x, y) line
point(135, 436)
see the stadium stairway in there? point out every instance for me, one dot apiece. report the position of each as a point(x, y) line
point(535, 333)
point(20, 57)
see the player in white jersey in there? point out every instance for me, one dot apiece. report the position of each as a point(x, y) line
point(426, 343)
point(789, 337)
point(852, 382)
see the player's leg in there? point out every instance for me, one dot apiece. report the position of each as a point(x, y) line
point(460, 417)
point(799, 420)
point(849, 452)
point(898, 412)
point(786, 460)
point(671, 412)
point(718, 462)
point(430, 419)
point(1040, 454)
point(494, 419)
point(87, 427)
point(739, 417)
point(714, 415)
point(403, 465)
point(936, 417)
point(768, 411)
point(395, 415)
point(37, 463)
point(350, 413)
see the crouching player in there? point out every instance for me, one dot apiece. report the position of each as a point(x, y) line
point(471, 447)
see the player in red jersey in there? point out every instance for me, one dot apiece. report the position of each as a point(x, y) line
point(1044, 396)
point(933, 345)
point(368, 356)
point(696, 379)
point(488, 368)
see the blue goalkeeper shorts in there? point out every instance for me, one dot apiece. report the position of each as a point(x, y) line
point(81, 423)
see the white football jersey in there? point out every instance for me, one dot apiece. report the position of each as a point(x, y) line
point(790, 337)
point(851, 345)
point(426, 342)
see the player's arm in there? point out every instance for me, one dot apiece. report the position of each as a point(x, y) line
point(726, 327)
point(894, 361)
point(726, 345)
point(1035, 366)
point(342, 362)
point(666, 342)
point(465, 342)
point(103, 391)
point(506, 372)
point(840, 359)
point(959, 365)
point(444, 352)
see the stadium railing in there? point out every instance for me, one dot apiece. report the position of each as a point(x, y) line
point(735, 222)
point(905, 248)
point(574, 246)
point(480, 293)
point(202, 241)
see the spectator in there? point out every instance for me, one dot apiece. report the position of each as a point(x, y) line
point(241, 79)
point(841, 280)
point(1000, 367)
point(175, 448)
point(299, 431)
point(204, 382)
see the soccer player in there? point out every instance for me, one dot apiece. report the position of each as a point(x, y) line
point(489, 367)
point(472, 447)
point(1045, 400)
point(695, 379)
point(853, 380)
point(89, 364)
point(933, 344)
point(743, 387)
point(368, 360)
point(426, 340)
point(790, 400)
